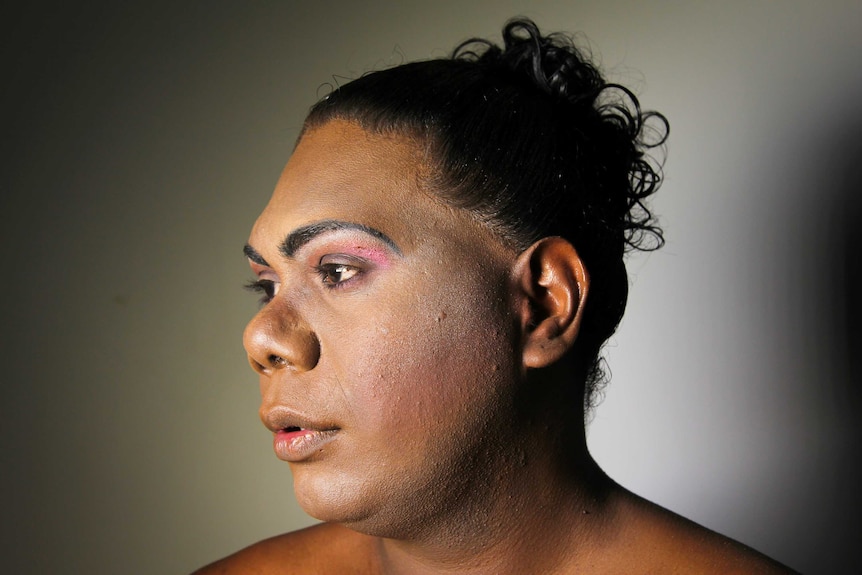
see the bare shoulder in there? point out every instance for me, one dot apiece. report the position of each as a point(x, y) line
point(677, 545)
point(318, 550)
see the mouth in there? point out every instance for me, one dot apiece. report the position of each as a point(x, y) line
point(297, 437)
point(310, 429)
point(295, 444)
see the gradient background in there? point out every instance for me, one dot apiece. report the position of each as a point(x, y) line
point(140, 140)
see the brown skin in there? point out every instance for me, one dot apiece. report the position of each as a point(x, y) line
point(433, 362)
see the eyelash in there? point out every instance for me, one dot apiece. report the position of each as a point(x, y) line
point(266, 288)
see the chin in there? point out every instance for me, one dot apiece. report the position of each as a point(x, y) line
point(331, 497)
point(376, 508)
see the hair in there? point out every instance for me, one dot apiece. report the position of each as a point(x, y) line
point(532, 140)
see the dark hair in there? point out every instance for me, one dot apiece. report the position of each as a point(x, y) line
point(532, 140)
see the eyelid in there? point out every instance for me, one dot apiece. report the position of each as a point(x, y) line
point(360, 247)
point(344, 259)
point(262, 271)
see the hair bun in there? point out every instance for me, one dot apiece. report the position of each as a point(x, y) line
point(555, 66)
point(552, 63)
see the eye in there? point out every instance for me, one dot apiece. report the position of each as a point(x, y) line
point(334, 274)
point(266, 289)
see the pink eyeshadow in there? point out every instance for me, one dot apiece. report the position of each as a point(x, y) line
point(379, 256)
point(374, 255)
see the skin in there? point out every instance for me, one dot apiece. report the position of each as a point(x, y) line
point(427, 360)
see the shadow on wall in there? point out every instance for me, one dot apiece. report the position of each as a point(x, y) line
point(847, 315)
point(849, 322)
point(836, 272)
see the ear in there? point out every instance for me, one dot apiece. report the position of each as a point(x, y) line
point(552, 283)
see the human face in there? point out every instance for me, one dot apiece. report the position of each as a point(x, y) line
point(387, 344)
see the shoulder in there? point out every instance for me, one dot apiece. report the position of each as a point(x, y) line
point(320, 549)
point(710, 553)
point(677, 545)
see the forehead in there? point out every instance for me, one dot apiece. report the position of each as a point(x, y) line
point(340, 171)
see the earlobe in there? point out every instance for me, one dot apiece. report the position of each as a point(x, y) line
point(552, 281)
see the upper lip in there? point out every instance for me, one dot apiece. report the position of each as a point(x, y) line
point(281, 418)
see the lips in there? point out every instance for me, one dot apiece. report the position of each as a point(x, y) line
point(297, 438)
point(297, 444)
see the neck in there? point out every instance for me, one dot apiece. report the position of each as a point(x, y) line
point(542, 499)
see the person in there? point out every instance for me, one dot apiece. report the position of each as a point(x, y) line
point(440, 264)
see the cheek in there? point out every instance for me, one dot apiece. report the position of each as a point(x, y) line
point(436, 364)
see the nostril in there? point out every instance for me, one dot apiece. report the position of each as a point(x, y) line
point(277, 340)
point(257, 366)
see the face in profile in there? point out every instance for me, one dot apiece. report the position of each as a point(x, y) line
point(386, 340)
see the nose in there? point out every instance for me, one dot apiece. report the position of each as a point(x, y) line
point(277, 338)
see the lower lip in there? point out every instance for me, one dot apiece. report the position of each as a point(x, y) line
point(295, 446)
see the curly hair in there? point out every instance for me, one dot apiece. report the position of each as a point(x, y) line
point(532, 140)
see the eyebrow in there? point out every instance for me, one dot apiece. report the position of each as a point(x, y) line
point(302, 235)
point(254, 256)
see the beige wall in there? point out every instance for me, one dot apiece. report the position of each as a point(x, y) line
point(140, 142)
